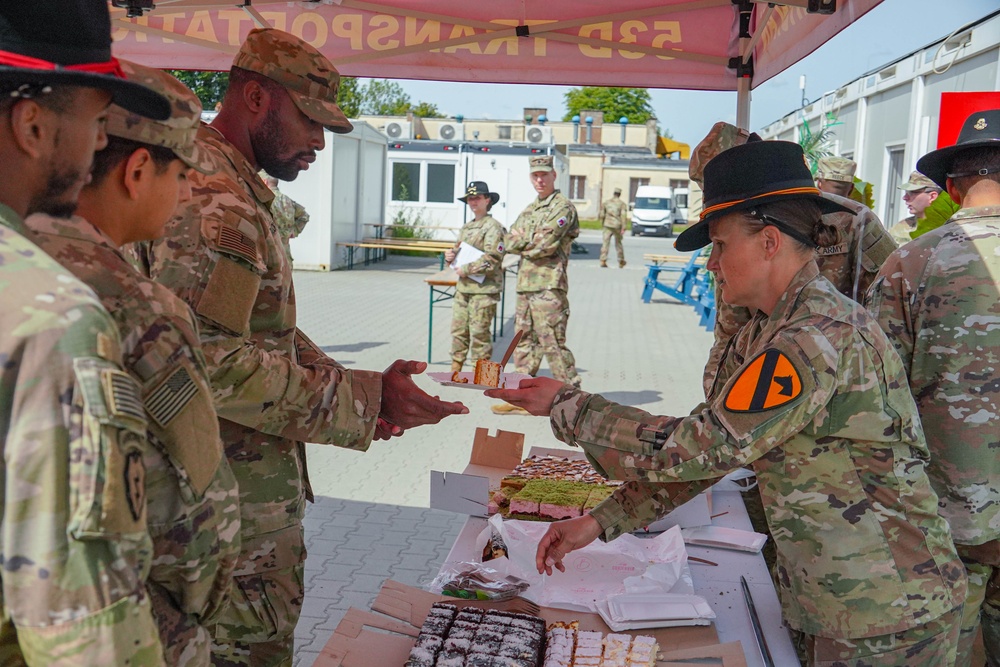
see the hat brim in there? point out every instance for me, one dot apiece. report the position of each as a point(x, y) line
point(325, 113)
point(129, 95)
point(936, 164)
point(494, 198)
point(696, 236)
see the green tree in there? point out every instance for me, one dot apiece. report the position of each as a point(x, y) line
point(210, 87)
point(426, 110)
point(632, 103)
point(384, 98)
point(349, 96)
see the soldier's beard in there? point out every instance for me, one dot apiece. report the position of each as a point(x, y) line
point(268, 142)
point(55, 199)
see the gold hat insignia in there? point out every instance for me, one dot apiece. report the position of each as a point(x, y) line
point(980, 124)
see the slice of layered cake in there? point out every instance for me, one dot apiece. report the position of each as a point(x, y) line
point(487, 373)
point(477, 638)
point(548, 500)
point(567, 646)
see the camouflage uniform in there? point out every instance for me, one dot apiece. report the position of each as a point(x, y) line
point(476, 303)
point(862, 552)
point(900, 232)
point(937, 300)
point(75, 548)
point(274, 389)
point(193, 514)
point(543, 235)
point(612, 217)
point(290, 218)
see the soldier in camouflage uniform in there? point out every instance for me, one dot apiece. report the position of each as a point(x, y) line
point(919, 192)
point(274, 389)
point(813, 397)
point(193, 514)
point(476, 300)
point(75, 550)
point(543, 235)
point(937, 300)
point(290, 217)
point(613, 216)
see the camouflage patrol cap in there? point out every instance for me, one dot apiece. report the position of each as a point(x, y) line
point(918, 181)
point(836, 169)
point(309, 77)
point(541, 163)
point(177, 132)
point(721, 137)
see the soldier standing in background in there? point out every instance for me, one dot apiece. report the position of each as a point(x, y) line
point(480, 281)
point(836, 175)
point(290, 217)
point(542, 235)
point(613, 216)
point(919, 192)
point(193, 505)
point(814, 397)
point(75, 549)
point(274, 388)
point(938, 300)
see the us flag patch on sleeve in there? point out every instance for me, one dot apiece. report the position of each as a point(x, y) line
point(168, 399)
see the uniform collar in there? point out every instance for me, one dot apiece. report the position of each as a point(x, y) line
point(244, 169)
point(10, 219)
point(976, 212)
point(548, 200)
point(75, 228)
point(787, 302)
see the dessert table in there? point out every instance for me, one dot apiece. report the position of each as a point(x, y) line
point(719, 585)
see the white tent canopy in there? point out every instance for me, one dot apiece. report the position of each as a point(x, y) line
point(689, 44)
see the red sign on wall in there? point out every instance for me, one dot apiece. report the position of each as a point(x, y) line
point(956, 107)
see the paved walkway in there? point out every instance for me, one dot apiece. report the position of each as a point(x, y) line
point(371, 521)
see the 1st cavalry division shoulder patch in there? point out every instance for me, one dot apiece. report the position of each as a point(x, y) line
point(768, 382)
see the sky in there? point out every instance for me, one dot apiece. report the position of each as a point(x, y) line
point(892, 29)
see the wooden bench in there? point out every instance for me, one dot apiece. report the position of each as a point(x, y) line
point(383, 245)
point(665, 259)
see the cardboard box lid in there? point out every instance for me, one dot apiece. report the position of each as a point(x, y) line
point(364, 639)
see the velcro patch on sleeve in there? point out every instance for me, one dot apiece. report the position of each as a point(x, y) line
point(230, 295)
point(230, 239)
point(769, 381)
point(122, 395)
point(171, 396)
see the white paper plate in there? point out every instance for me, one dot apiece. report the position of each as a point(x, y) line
point(621, 626)
point(643, 607)
point(507, 380)
point(721, 537)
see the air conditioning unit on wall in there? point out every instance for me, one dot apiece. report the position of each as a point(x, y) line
point(399, 129)
point(451, 132)
point(538, 134)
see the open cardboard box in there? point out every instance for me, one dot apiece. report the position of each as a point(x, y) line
point(493, 457)
point(384, 639)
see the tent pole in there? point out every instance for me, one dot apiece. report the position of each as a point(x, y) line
point(743, 103)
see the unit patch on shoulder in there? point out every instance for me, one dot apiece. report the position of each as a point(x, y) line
point(561, 222)
point(135, 484)
point(500, 248)
point(767, 382)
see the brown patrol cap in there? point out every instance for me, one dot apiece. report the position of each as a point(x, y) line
point(918, 181)
point(836, 169)
point(541, 163)
point(177, 132)
point(309, 77)
point(721, 137)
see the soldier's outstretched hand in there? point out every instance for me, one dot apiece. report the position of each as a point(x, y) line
point(533, 394)
point(563, 537)
point(405, 405)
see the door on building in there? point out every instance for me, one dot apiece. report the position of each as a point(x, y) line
point(894, 210)
point(633, 185)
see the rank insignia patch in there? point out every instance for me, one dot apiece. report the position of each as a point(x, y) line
point(768, 382)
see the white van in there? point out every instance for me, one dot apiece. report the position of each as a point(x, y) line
point(655, 211)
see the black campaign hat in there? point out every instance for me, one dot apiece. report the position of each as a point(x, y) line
point(479, 188)
point(67, 42)
point(981, 129)
point(743, 177)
